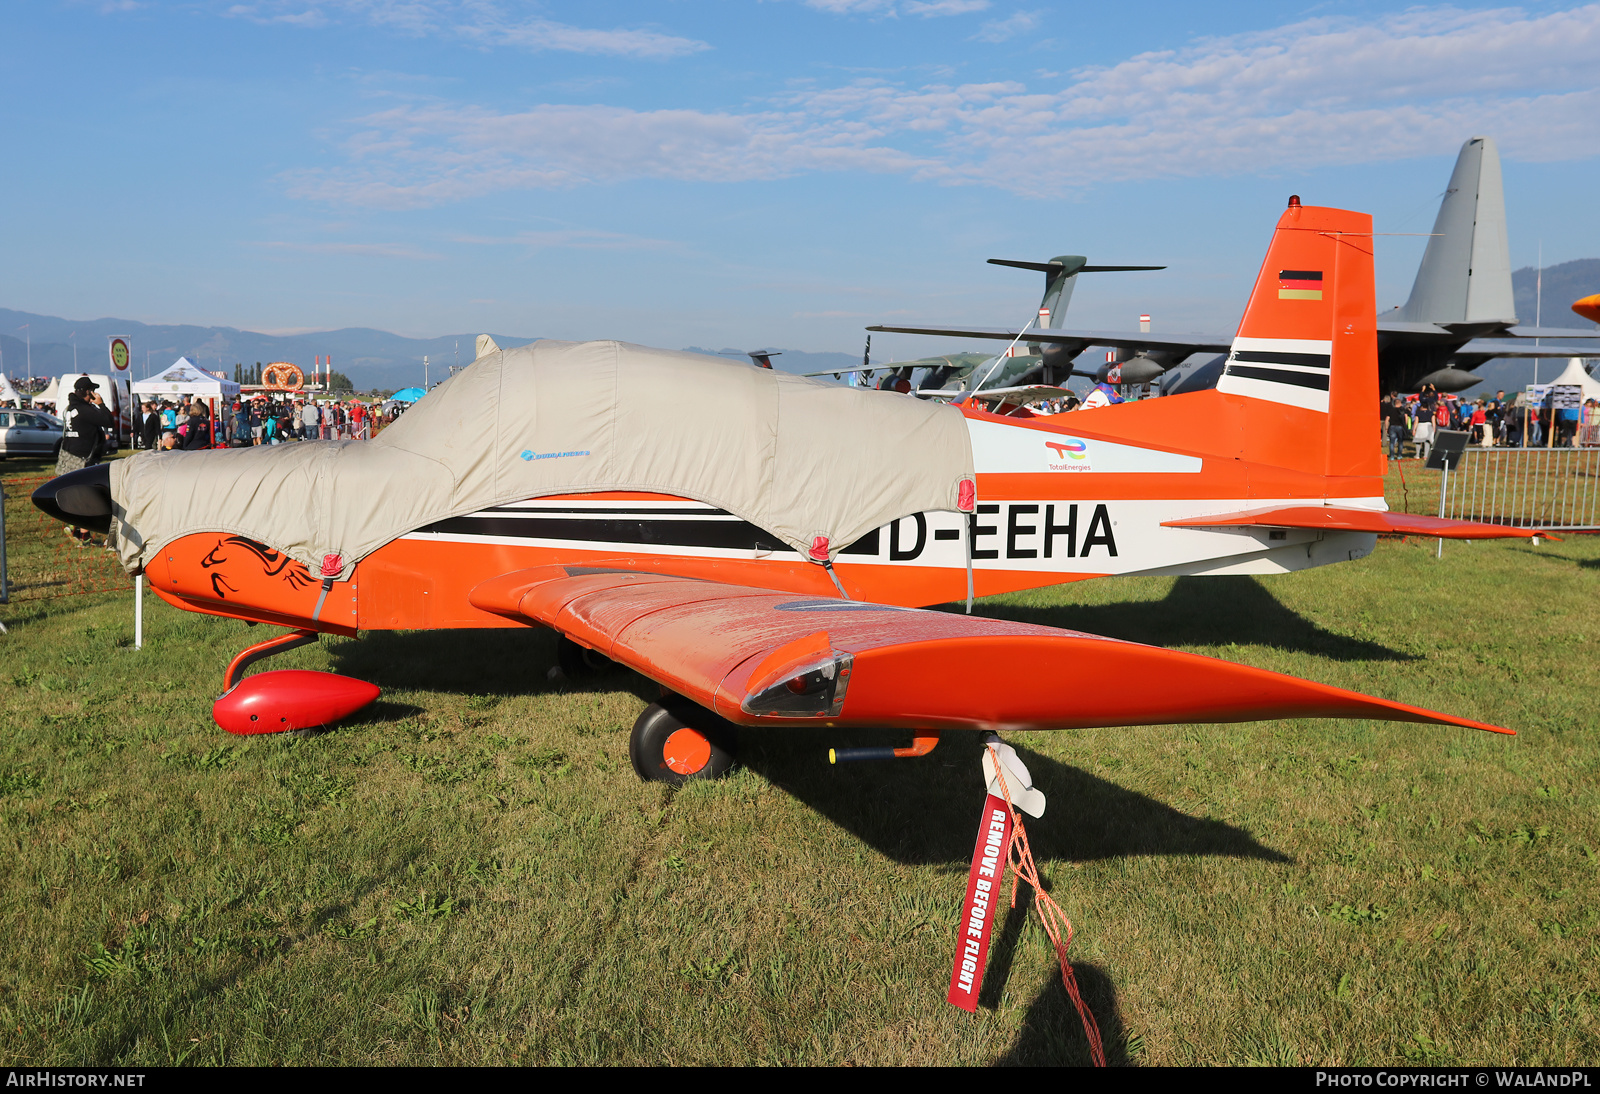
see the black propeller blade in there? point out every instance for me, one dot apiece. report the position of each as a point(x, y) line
point(81, 498)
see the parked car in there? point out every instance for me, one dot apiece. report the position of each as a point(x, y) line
point(29, 433)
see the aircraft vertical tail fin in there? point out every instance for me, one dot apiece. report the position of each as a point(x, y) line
point(1465, 276)
point(1060, 275)
point(1308, 345)
point(1058, 286)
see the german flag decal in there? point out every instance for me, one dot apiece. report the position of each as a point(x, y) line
point(1299, 284)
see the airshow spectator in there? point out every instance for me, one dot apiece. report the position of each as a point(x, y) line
point(83, 427)
point(1105, 391)
point(147, 427)
point(198, 434)
point(1394, 419)
point(1422, 433)
point(1566, 420)
point(241, 423)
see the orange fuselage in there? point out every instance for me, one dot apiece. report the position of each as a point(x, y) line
point(1060, 499)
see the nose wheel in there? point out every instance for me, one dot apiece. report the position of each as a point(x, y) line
point(676, 740)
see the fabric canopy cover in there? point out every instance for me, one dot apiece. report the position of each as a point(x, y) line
point(796, 457)
point(407, 395)
point(184, 377)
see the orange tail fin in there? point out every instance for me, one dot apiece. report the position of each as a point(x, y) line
point(1308, 345)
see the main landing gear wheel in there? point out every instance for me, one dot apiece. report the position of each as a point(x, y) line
point(578, 661)
point(675, 741)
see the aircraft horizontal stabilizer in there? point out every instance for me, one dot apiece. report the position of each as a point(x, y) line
point(1519, 347)
point(1331, 518)
point(760, 657)
point(1192, 343)
point(1058, 267)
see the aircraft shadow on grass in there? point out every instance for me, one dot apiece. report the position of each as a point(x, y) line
point(924, 811)
point(514, 661)
point(1052, 1032)
point(1204, 611)
point(1549, 555)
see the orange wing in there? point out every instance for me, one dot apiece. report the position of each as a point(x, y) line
point(1333, 518)
point(759, 657)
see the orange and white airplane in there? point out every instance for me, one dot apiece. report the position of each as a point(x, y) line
point(1277, 469)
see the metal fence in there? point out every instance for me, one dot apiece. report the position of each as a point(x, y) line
point(1555, 488)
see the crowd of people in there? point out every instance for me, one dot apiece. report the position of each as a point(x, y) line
point(1513, 423)
point(186, 423)
point(261, 421)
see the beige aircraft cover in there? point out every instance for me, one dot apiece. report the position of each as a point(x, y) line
point(796, 457)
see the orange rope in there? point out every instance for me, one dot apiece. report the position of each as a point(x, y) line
point(1056, 924)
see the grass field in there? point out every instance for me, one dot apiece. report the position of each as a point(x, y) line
point(471, 873)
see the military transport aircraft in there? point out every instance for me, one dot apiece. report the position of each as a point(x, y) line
point(1029, 364)
point(1460, 313)
point(763, 546)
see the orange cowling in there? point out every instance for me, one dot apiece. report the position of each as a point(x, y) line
point(1589, 308)
point(276, 702)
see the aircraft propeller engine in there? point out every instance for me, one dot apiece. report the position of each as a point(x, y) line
point(81, 498)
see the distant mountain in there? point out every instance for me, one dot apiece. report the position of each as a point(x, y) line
point(1562, 285)
point(371, 358)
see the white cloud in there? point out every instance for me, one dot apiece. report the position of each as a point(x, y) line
point(1003, 30)
point(573, 239)
point(931, 8)
point(926, 8)
point(413, 156)
point(359, 250)
point(851, 7)
point(1314, 92)
point(480, 22)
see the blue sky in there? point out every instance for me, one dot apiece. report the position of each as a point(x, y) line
point(730, 173)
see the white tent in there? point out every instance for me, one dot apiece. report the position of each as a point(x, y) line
point(184, 377)
point(1576, 376)
point(49, 394)
point(9, 393)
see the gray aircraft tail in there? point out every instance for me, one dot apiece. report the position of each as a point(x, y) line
point(1060, 275)
point(1465, 276)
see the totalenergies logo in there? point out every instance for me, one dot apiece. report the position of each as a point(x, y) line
point(1068, 454)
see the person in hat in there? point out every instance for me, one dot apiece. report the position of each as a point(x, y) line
point(1105, 392)
point(84, 425)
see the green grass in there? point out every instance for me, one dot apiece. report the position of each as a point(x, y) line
point(470, 872)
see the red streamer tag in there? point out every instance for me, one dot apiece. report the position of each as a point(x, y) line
point(978, 911)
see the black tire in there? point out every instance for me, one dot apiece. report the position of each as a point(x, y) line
point(660, 756)
point(578, 661)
